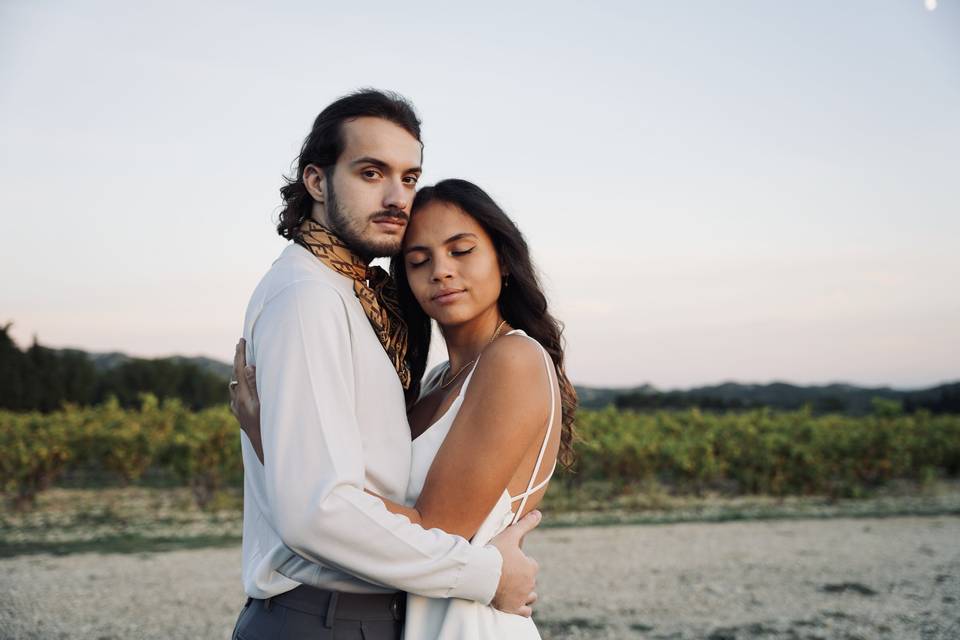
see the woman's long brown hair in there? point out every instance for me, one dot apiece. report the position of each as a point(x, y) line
point(522, 302)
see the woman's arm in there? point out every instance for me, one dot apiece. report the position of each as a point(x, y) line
point(504, 411)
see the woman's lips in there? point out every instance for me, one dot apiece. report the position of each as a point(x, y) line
point(447, 297)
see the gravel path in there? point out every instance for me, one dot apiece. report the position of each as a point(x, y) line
point(801, 579)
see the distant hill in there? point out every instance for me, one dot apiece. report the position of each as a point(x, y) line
point(837, 397)
point(113, 359)
point(599, 397)
point(44, 378)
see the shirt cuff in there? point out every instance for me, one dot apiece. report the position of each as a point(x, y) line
point(480, 575)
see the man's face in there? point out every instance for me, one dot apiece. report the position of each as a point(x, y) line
point(368, 197)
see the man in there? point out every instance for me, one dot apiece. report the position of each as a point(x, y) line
point(320, 555)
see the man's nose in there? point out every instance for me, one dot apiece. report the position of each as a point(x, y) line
point(398, 196)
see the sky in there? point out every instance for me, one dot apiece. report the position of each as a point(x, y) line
point(747, 191)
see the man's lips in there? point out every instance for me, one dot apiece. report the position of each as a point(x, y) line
point(448, 295)
point(392, 221)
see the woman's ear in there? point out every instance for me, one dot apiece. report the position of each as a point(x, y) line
point(315, 181)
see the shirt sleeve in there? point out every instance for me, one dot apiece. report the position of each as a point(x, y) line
point(314, 468)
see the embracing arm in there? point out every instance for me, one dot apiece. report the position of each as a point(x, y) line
point(313, 459)
point(520, 417)
point(245, 405)
point(503, 414)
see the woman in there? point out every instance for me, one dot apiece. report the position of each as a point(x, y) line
point(488, 425)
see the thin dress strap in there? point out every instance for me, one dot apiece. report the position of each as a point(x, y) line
point(543, 448)
point(431, 379)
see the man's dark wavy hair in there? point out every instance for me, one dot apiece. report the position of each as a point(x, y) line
point(522, 302)
point(324, 145)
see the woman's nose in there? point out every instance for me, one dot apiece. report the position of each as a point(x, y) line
point(442, 269)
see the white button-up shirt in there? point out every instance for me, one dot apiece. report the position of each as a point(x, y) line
point(333, 422)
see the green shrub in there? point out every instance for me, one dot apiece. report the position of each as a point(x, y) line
point(751, 452)
point(204, 452)
point(34, 451)
point(764, 452)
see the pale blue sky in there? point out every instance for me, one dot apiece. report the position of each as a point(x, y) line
point(713, 191)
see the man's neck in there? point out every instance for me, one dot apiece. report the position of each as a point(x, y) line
point(321, 219)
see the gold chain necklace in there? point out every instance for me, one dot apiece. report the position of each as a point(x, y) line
point(496, 334)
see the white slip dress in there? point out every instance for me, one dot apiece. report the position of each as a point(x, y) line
point(454, 618)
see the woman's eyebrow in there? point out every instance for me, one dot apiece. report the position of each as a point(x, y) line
point(460, 236)
point(453, 238)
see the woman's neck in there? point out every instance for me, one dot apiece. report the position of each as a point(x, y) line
point(465, 341)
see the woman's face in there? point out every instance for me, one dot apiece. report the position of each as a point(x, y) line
point(452, 267)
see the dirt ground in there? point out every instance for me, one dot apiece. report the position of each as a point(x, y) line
point(847, 579)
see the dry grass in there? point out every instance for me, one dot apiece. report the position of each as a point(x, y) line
point(117, 520)
point(146, 519)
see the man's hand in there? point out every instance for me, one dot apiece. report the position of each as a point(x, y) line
point(518, 578)
point(244, 401)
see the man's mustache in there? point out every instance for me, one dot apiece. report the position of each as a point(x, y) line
point(399, 214)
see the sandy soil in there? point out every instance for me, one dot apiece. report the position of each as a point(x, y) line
point(800, 579)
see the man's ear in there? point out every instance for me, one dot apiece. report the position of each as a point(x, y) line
point(315, 180)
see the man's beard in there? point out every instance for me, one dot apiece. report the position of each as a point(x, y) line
point(350, 229)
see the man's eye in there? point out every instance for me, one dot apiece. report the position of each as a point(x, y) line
point(411, 180)
point(371, 173)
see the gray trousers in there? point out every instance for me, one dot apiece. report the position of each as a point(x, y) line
point(308, 613)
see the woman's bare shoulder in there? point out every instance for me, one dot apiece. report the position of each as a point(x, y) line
point(511, 356)
point(511, 373)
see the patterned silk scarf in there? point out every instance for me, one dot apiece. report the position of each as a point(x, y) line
point(373, 287)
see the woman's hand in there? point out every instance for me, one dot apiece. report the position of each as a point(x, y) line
point(244, 401)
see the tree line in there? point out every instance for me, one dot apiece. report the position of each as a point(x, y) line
point(42, 379)
point(842, 399)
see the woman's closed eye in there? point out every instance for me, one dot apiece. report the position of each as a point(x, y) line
point(454, 253)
